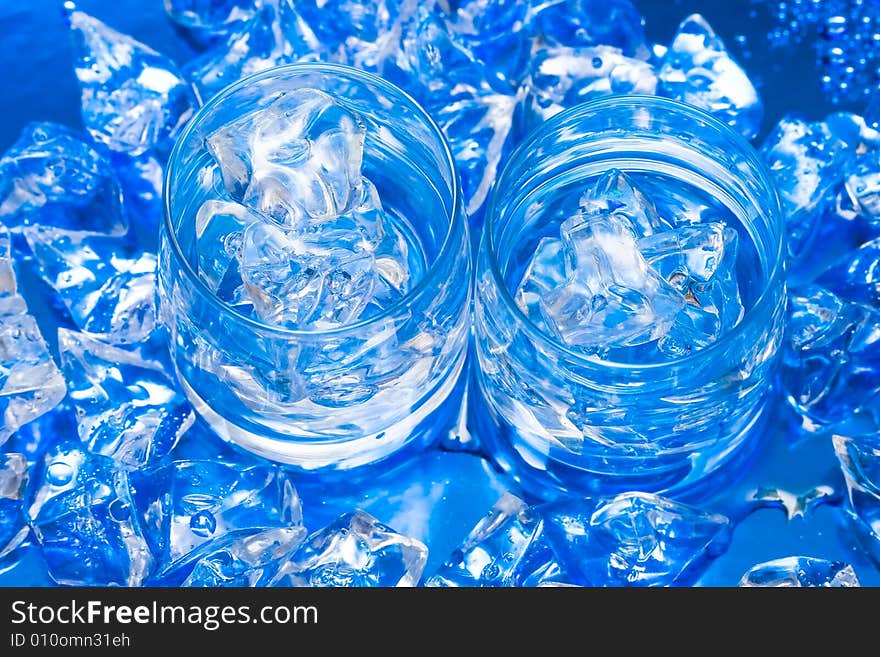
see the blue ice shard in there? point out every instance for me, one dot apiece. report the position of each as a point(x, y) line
point(365, 34)
point(860, 462)
point(211, 16)
point(80, 509)
point(13, 480)
point(801, 572)
point(496, 32)
point(560, 77)
point(189, 508)
point(451, 83)
point(697, 69)
point(354, 550)
point(862, 181)
point(110, 292)
point(503, 549)
point(127, 409)
point(856, 277)
point(478, 126)
point(634, 539)
point(804, 159)
point(831, 357)
point(246, 559)
point(133, 98)
point(51, 176)
point(615, 23)
point(30, 382)
point(276, 35)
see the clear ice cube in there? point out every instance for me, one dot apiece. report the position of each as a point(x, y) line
point(213, 16)
point(615, 193)
point(133, 98)
point(561, 77)
point(498, 550)
point(859, 458)
point(247, 559)
point(700, 262)
point(53, 177)
point(354, 550)
point(30, 382)
point(831, 356)
point(804, 159)
point(189, 508)
point(612, 298)
point(801, 572)
point(697, 69)
point(109, 291)
point(862, 180)
point(295, 161)
point(127, 409)
point(13, 480)
point(81, 511)
point(615, 23)
point(634, 539)
point(220, 229)
point(274, 36)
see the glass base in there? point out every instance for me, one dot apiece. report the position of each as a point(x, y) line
point(434, 417)
point(686, 478)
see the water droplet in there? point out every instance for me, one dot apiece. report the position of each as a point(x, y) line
point(59, 473)
point(119, 510)
point(203, 523)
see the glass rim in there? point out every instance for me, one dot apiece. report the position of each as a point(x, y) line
point(340, 70)
point(670, 106)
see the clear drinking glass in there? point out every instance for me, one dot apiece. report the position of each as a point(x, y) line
point(560, 419)
point(339, 398)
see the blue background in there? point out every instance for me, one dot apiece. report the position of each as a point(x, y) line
point(37, 83)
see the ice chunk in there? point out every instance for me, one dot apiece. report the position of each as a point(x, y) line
point(795, 505)
point(804, 159)
point(831, 356)
point(614, 192)
point(478, 126)
point(213, 16)
point(245, 560)
point(700, 262)
point(611, 297)
point(354, 550)
point(545, 273)
point(327, 278)
point(857, 276)
point(862, 176)
point(133, 98)
point(801, 571)
point(560, 77)
point(81, 512)
point(634, 539)
point(498, 551)
point(52, 177)
point(13, 479)
point(127, 409)
point(219, 233)
point(698, 70)
point(109, 292)
point(30, 382)
point(615, 23)
point(296, 161)
point(189, 508)
point(860, 462)
point(275, 35)
point(494, 30)
point(365, 34)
